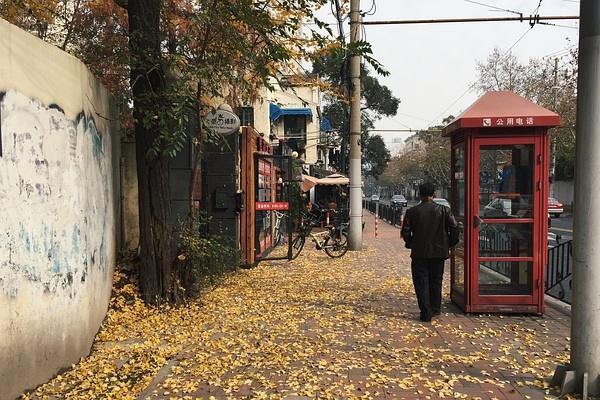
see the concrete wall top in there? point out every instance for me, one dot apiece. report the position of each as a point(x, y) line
point(44, 72)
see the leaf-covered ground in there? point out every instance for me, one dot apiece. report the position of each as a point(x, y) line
point(314, 328)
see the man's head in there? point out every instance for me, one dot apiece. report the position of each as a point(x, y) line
point(426, 190)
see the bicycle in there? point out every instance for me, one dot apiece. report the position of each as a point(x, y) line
point(280, 225)
point(333, 240)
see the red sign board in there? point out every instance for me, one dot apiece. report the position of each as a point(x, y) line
point(271, 205)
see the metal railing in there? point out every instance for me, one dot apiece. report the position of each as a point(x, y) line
point(388, 213)
point(559, 270)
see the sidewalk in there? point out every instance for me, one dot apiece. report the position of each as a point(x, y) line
point(319, 328)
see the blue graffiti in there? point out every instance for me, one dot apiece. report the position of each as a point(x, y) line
point(43, 250)
point(97, 145)
point(75, 240)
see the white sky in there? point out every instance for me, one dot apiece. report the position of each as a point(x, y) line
point(432, 65)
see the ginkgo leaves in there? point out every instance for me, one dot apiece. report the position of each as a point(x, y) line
point(314, 328)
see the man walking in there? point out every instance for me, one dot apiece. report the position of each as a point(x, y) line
point(429, 230)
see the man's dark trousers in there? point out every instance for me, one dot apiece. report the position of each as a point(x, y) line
point(427, 275)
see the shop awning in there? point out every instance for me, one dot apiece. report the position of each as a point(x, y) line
point(334, 179)
point(308, 182)
point(276, 112)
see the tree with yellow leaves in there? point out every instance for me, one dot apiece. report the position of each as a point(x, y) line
point(163, 57)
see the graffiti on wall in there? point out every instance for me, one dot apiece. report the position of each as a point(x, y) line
point(55, 196)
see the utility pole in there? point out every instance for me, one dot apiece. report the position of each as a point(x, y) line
point(355, 237)
point(553, 140)
point(583, 373)
point(345, 80)
point(585, 321)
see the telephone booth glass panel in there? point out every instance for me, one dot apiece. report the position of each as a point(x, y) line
point(458, 202)
point(505, 221)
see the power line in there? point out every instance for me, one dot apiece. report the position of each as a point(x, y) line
point(532, 19)
point(558, 52)
point(403, 130)
point(559, 25)
point(410, 116)
point(475, 83)
point(372, 10)
point(535, 11)
point(494, 7)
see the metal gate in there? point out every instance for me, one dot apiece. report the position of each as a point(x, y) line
point(273, 205)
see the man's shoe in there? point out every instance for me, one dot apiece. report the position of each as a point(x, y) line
point(425, 318)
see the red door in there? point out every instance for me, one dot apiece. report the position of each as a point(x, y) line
point(506, 230)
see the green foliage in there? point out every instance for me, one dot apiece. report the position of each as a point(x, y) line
point(377, 102)
point(375, 156)
point(204, 258)
point(365, 50)
point(378, 99)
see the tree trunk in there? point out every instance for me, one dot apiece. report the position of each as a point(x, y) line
point(148, 83)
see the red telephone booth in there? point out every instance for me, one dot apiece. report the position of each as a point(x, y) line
point(500, 178)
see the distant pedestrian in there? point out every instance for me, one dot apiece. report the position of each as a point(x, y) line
point(429, 230)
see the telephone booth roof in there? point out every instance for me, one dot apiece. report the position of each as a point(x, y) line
point(502, 109)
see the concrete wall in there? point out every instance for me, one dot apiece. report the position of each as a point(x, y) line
point(563, 192)
point(59, 154)
point(262, 122)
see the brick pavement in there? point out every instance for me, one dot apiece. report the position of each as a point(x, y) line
point(358, 336)
point(331, 328)
point(523, 361)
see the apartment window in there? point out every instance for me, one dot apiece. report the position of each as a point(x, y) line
point(246, 115)
point(295, 125)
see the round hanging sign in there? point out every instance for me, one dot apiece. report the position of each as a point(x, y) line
point(222, 122)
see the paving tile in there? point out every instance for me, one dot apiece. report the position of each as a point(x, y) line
point(317, 328)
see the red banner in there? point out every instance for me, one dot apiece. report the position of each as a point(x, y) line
point(271, 205)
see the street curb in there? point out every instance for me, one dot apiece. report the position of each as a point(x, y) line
point(558, 305)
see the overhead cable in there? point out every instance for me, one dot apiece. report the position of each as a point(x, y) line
point(502, 57)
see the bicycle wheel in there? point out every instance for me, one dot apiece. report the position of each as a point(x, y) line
point(336, 245)
point(297, 245)
point(276, 236)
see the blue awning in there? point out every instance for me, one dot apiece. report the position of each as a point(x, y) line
point(326, 125)
point(277, 112)
point(274, 111)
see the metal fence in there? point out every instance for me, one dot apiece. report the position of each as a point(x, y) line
point(559, 270)
point(388, 213)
